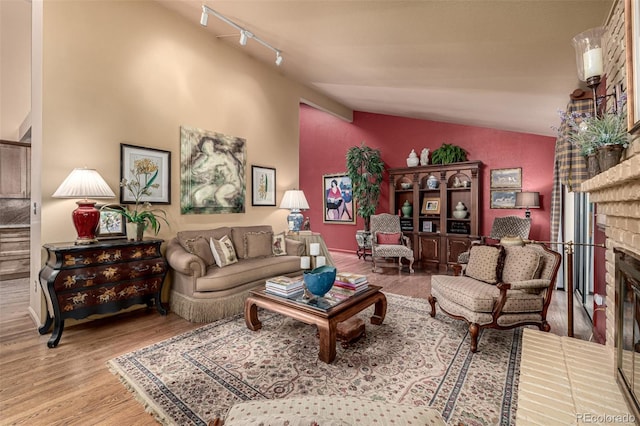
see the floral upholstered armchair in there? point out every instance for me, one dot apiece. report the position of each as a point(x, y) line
point(388, 241)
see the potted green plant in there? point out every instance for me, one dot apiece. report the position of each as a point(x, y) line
point(365, 168)
point(141, 215)
point(447, 154)
point(604, 135)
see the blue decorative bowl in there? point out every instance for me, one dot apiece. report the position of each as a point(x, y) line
point(320, 280)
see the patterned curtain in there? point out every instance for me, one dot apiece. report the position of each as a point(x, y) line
point(570, 167)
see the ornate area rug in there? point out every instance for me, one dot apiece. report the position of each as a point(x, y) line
point(410, 359)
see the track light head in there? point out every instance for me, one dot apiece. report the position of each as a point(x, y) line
point(204, 18)
point(243, 38)
point(279, 58)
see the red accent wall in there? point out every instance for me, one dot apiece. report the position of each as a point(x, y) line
point(325, 139)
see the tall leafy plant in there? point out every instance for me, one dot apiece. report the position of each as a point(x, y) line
point(365, 168)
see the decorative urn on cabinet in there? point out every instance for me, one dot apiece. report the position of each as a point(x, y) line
point(460, 211)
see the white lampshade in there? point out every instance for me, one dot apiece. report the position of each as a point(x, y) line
point(84, 183)
point(294, 199)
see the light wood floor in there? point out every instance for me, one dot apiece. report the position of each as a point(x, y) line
point(71, 385)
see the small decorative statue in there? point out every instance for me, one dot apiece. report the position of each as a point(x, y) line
point(424, 157)
point(413, 159)
point(307, 224)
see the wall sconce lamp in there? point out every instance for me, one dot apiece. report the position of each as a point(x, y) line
point(245, 34)
point(527, 200)
point(589, 47)
point(295, 201)
point(84, 183)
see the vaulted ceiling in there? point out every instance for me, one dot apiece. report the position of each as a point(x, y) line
point(506, 64)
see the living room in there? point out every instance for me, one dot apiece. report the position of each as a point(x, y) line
point(102, 82)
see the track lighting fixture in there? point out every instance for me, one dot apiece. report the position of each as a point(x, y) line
point(243, 38)
point(245, 35)
point(204, 18)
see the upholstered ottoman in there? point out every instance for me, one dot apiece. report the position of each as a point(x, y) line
point(327, 411)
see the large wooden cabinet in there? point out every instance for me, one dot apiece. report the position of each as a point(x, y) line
point(434, 192)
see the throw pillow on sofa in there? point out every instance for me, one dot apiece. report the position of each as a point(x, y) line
point(200, 247)
point(485, 263)
point(223, 251)
point(279, 246)
point(258, 244)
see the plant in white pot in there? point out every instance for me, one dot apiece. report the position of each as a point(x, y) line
point(141, 215)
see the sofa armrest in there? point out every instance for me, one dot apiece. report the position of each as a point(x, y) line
point(525, 285)
point(184, 262)
point(294, 247)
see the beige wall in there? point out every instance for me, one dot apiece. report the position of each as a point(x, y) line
point(134, 72)
point(15, 66)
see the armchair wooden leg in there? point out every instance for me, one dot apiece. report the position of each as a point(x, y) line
point(545, 326)
point(432, 302)
point(473, 331)
point(411, 271)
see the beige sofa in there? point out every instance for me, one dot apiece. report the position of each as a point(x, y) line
point(202, 291)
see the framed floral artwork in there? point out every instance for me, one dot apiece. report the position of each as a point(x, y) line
point(263, 188)
point(144, 164)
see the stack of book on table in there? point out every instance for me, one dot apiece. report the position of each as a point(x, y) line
point(348, 284)
point(289, 287)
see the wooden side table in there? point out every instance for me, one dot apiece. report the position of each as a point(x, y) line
point(106, 277)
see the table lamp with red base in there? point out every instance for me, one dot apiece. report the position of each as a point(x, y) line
point(84, 183)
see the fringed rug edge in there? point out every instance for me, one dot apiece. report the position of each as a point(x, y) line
point(139, 394)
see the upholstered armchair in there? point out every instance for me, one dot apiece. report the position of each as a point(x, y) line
point(502, 288)
point(387, 240)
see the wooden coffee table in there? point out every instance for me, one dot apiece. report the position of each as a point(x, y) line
point(326, 321)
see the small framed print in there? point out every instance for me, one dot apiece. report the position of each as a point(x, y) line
point(112, 223)
point(263, 186)
point(431, 206)
point(503, 199)
point(427, 226)
point(506, 178)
